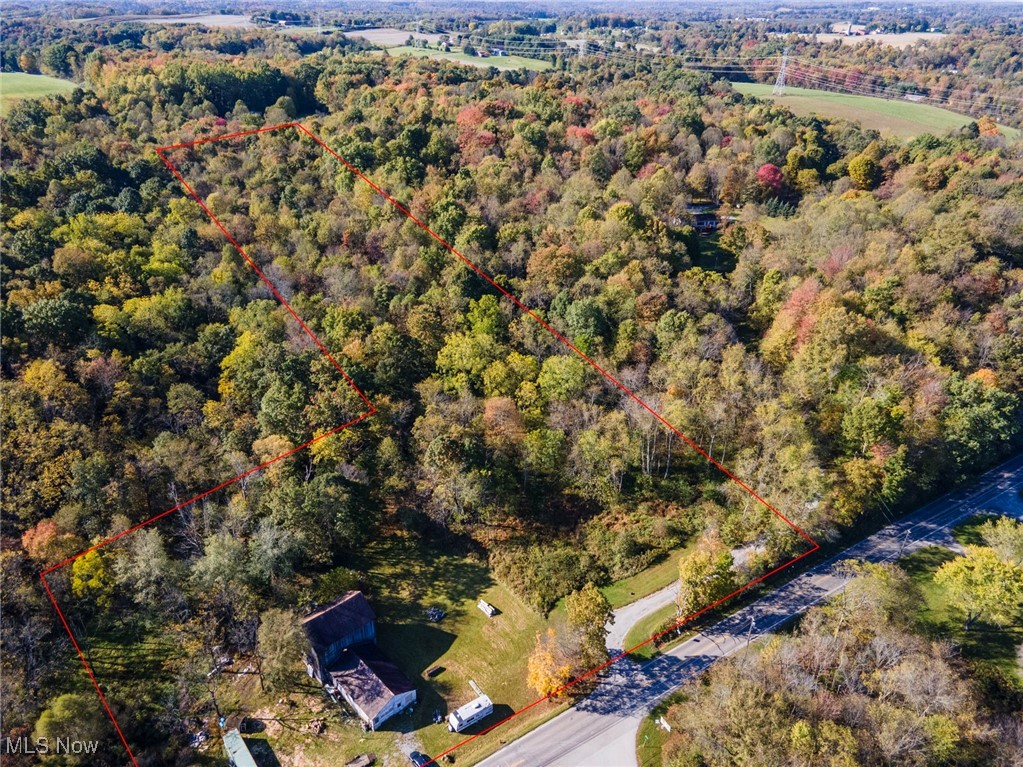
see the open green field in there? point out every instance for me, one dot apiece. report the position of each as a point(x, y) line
point(498, 62)
point(904, 119)
point(18, 85)
point(991, 649)
point(654, 578)
point(405, 577)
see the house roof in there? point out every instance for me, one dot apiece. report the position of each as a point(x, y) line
point(369, 677)
point(342, 617)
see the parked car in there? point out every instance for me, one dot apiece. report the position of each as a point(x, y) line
point(418, 759)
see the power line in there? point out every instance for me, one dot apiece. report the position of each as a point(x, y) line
point(779, 84)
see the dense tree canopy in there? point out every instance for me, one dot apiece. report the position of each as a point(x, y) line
point(849, 343)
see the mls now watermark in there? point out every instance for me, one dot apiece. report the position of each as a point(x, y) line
point(48, 746)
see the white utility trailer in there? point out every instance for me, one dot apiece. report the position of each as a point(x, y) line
point(472, 712)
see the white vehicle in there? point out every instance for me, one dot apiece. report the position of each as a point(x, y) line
point(470, 713)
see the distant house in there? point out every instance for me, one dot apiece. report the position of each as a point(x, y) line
point(344, 658)
point(238, 754)
point(346, 621)
point(705, 222)
point(704, 216)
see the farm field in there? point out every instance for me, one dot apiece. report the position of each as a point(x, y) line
point(237, 21)
point(904, 119)
point(498, 62)
point(18, 85)
point(389, 37)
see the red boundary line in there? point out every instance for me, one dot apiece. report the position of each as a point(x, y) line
point(372, 410)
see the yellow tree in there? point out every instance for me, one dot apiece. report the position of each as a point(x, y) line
point(705, 575)
point(589, 612)
point(549, 670)
point(92, 579)
point(980, 583)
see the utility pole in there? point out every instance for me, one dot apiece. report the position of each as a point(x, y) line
point(749, 638)
point(779, 84)
point(902, 543)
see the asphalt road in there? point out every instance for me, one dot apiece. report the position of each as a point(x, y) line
point(600, 731)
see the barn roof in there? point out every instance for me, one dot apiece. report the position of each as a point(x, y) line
point(369, 677)
point(342, 617)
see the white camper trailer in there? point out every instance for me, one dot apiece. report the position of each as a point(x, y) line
point(470, 713)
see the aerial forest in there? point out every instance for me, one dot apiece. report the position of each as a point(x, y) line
point(850, 341)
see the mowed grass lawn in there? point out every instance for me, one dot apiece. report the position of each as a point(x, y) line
point(989, 647)
point(646, 628)
point(500, 62)
point(405, 577)
point(18, 85)
point(654, 578)
point(904, 119)
point(651, 737)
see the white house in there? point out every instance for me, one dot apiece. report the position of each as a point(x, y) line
point(343, 656)
point(371, 684)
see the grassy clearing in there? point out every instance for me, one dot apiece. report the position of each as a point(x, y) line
point(646, 628)
point(713, 257)
point(389, 37)
point(238, 21)
point(991, 649)
point(18, 85)
point(904, 119)
point(405, 577)
point(894, 39)
point(654, 578)
point(498, 62)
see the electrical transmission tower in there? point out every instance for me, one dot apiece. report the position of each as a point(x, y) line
point(779, 84)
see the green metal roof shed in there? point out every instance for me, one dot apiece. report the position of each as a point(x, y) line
point(237, 752)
